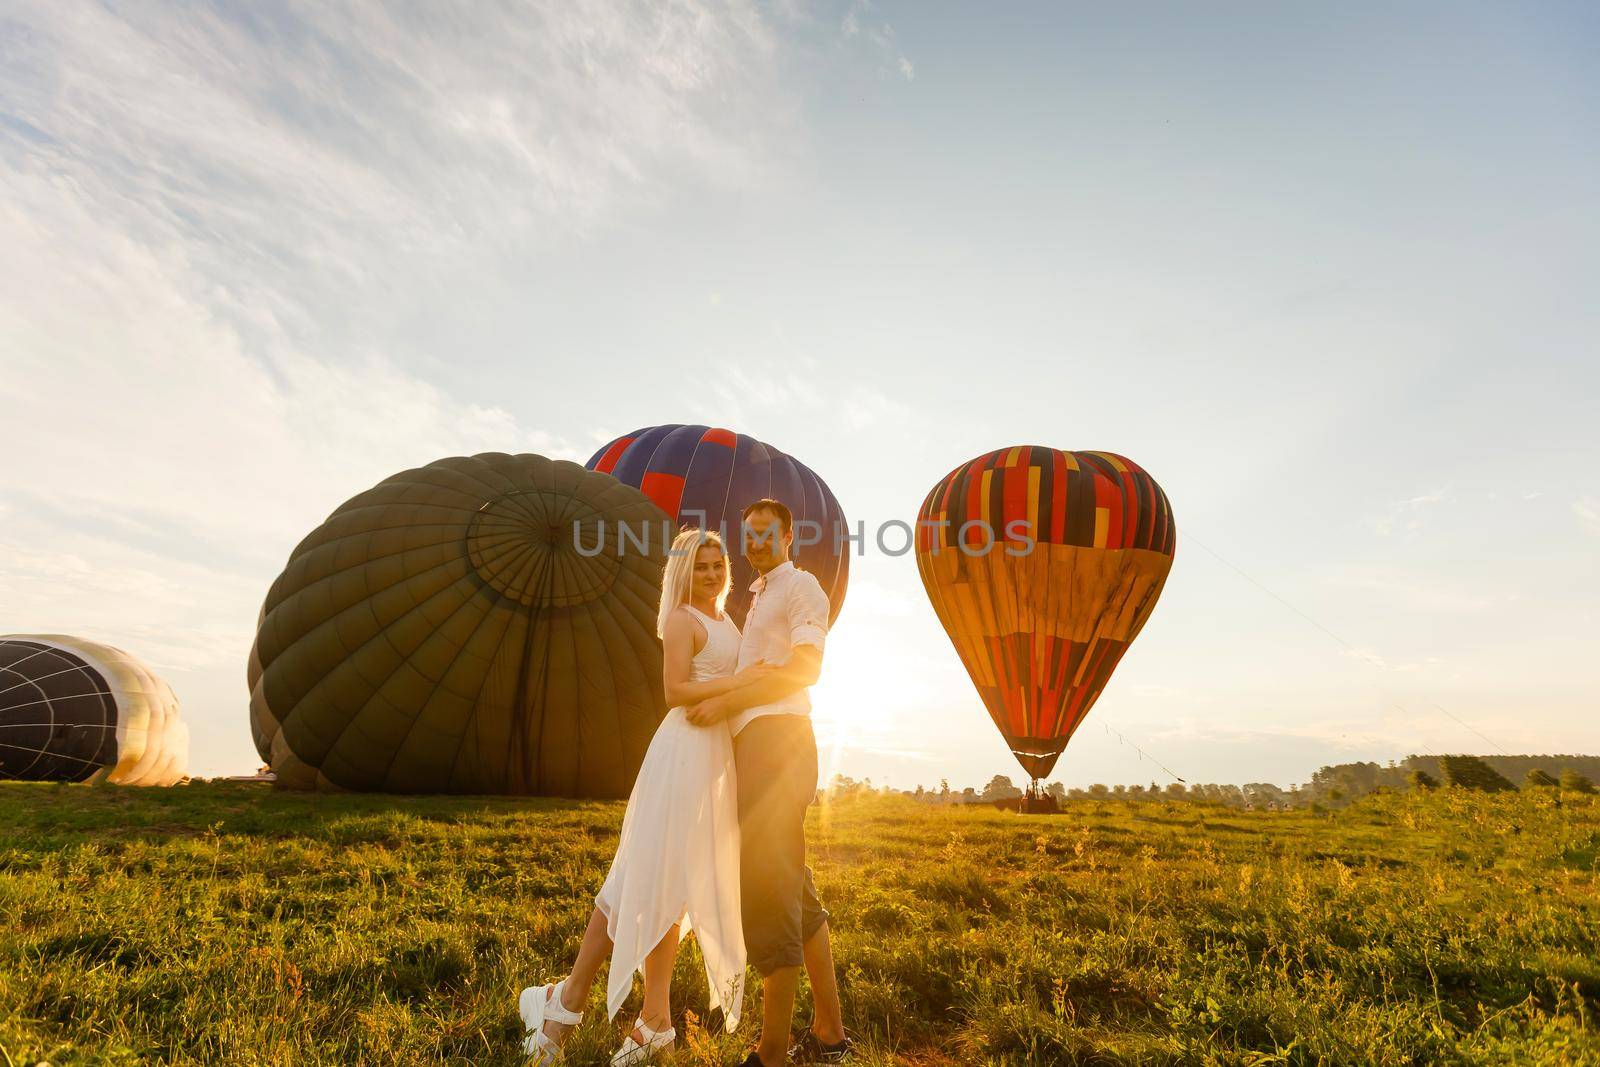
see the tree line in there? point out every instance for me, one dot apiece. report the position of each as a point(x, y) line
point(1331, 786)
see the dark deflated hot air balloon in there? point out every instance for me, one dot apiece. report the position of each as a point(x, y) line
point(73, 710)
point(465, 627)
point(704, 476)
point(1043, 566)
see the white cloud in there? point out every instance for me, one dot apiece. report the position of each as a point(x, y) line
point(1359, 732)
point(1166, 691)
point(879, 35)
point(865, 407)
point(741, 395)
point(882, 36)
point(145, 405)
point(1397, 588)
point(1408, 514)
point(1365, 655)
point(340, 152)
point(210, 224)
point(1588, 512)
point(1424, 665)
point(177, 616)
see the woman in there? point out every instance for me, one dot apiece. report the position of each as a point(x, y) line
point(677, 861)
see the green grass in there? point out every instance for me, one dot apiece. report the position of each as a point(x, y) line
point(223, 923)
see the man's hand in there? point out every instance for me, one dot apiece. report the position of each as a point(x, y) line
point(754, 673)
point(708, 712)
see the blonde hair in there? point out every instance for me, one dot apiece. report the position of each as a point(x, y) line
point(679, 576)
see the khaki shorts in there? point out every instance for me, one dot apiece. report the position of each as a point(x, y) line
point(776, 761)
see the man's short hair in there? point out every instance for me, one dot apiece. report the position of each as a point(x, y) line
point(777, 507)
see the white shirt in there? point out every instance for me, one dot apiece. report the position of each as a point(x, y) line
point(789, 609)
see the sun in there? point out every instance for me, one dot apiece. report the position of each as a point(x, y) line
point(857, 703)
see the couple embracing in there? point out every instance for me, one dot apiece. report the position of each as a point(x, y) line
point(714, 835)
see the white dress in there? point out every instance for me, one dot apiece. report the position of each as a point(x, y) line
point(677, 860)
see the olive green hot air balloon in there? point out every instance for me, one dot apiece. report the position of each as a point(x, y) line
point(483, 624)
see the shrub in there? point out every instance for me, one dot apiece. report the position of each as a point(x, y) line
point(1470, 772)
point(1000, 788)
point(1421, 779)
point(1537, 779)
point(1573, 782)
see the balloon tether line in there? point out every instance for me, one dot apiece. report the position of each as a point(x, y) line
point(1357, 652)
point(1142, 753)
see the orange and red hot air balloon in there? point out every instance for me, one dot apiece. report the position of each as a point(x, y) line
point(1043, 566)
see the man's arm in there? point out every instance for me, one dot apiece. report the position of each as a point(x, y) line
point(801, 671)
point(807, 610)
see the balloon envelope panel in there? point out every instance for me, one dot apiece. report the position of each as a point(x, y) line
point(704, 476)
point(1043, 566)
point(465, 627)
point(72, 709)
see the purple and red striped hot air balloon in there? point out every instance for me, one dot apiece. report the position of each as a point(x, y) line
point(704, 476)
point(1043, 566)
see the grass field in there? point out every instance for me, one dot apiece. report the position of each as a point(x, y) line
point(228, 923)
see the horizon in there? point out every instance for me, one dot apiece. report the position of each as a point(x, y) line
point(831, 783)
point(1327, 289)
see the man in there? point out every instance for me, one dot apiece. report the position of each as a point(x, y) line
point(775, 753)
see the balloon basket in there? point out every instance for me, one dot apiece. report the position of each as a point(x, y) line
point(1035, 801)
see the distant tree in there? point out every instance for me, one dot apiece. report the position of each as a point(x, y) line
point(1057, 790)
point(1177, 791)
point(1231, 795)
point(1470, 772)
point(1345, 780)
point(1421, 779)
point(1119, 791)
point(1265, 796)
point(969, 795)
point(944, 788)
point(1573, 782)
point(844, 786)
point(1136, 792)
point(1000, 788)
point(1099, 791)
point(1537, 779)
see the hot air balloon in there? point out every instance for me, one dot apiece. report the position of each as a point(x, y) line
point(1043, 566)
point(704, 476)
point(483, 624)
point(72, 710)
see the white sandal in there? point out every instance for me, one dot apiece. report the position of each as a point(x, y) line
point(633, 1053)
point(540, 1004)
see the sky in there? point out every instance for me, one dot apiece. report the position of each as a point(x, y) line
point(1327, 272)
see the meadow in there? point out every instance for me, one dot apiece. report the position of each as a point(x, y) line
point(232, 923)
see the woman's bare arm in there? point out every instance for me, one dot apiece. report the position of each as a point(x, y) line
point(801, 671)
point(678, 646)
